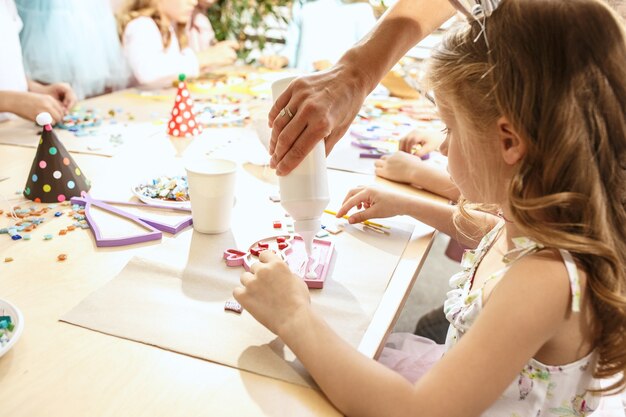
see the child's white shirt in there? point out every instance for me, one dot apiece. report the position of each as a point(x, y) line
point(149, 60)
point(12, 75)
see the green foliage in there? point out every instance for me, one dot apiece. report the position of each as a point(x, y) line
point(246, 21)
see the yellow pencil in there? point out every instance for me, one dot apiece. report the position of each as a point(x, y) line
point(367, 222)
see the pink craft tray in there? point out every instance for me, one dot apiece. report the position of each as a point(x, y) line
point(294, 254)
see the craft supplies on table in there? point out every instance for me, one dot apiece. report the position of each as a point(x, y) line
point(11, 326)
point(291, 248)
point(152, 228)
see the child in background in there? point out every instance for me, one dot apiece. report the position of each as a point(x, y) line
point(19, 95)
point(73, 41)
point(155, 40)
point(538, 316)
point(319, 32)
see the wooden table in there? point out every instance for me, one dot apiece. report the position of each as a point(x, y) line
point(58, 369)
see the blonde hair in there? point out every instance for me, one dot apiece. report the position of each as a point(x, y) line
point(557, 71)
point(150, 8)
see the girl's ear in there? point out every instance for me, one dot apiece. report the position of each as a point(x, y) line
point(512, 146)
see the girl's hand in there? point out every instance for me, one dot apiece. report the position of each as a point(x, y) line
point(62, 92)
point(273, 62)
point(221, 54)
point(421, 142)
point(375, 203)
point(399, 167)
point(323, 107)
point(29, 105)
point(272, 293)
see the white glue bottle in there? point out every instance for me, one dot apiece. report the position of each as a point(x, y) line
point(304, 191)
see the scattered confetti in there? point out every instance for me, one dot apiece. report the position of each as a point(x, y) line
point(233, 306)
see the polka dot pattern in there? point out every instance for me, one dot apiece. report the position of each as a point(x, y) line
point(54, 176)
point(183, 121)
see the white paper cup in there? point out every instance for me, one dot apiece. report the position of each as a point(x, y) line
point(211, 193)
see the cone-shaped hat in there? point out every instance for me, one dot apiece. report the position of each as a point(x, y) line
point(182, 121)
point(54, 176)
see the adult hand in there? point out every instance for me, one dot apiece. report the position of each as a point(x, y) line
point(272, 293)
point(29, 105)
point(273, 62)
point(374, 202)
point(63, 93)
point(323, 105)
point(421, 142)
point(400, 167)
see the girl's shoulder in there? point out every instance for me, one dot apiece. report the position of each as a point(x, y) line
point(143, 24)
point(143, 31)
point(552, 274)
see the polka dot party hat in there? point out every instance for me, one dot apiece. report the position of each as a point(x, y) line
point(54, 176)
point(183, 121)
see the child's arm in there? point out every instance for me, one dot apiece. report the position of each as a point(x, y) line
point(378, 203)
point(28, 105)
point(410, 169)
point(523, 313)
point(63, 92)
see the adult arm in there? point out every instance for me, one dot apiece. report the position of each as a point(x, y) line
point(324, 104)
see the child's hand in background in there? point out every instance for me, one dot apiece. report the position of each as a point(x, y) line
point(273, 62)
point(271, 292)
point(62, 92)
point(29, 105)
point(399, 167)
point(375, 203)
point(421, 142)
point(221, 54)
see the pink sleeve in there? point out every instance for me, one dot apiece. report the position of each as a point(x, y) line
point(149, 60)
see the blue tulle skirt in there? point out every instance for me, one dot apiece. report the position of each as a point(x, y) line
point(73, 41)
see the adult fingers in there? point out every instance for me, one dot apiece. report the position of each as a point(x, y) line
point(335, 135)
point(285, 132)
point(280, 102)
point(300, 147)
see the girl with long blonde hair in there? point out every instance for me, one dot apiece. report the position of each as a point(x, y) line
point(154, 35)
point(534, 96)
